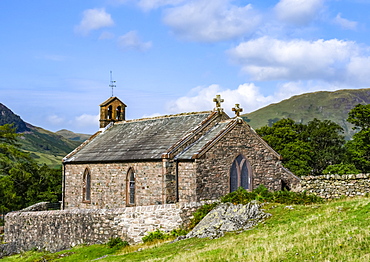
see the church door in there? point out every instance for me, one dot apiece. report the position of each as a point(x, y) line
point(240, 173)
point(131, 187)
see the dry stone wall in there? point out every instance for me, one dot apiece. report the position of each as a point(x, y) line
point(62, 229)
point(335, 186)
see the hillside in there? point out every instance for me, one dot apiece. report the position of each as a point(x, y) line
point(304, 108)
point(43, 145)
point(73, 136)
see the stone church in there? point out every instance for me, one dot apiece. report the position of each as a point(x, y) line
point(185, 157)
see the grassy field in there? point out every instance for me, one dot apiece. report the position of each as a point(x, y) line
point(333, 231)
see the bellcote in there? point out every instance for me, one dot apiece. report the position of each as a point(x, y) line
point(112, 110)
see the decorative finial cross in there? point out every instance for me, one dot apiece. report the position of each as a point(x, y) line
point(218, 101)
point(237, 110)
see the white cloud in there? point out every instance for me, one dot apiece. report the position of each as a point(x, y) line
point(131, 40)
point(94, 19)
point(332, 60)
point(344, 23)
point(298, 12)
point(358, 71)
point(153, 4)
point(55, 120)
point(211, 21)
point(87, 121)
point(201, 99)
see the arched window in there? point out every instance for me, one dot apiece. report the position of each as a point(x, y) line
point(285, 185)
point(118, 113)
point(240, 173)
point(130, 187)
point(110, 113)
point(86, 192)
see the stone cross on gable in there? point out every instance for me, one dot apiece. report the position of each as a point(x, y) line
point(218, 101)
point(237, 110)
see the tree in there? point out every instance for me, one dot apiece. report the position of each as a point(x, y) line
point(306, 149)
point(360, 117)
point(22, 181)
point(327, 142)
point(359, 147)
point(284, 137)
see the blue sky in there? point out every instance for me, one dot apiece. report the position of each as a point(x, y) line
point(172, 56)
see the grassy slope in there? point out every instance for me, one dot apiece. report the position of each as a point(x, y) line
point(322, 105)
point(334, 231)
point(73, 136)
point(46, 147)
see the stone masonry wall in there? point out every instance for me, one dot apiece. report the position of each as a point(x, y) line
point(335, 186)
point(214, 167)
point(187, 183)
point(61, 229)
point(108, 184)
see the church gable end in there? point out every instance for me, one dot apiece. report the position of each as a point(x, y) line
point(214, 166)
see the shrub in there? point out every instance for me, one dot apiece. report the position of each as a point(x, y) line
point(160, 235)
point(242, 196)
point(341, 169)
point(117, 242)
point(178, 232)
point(261, 193)
point(296, 198)
point(155, 235)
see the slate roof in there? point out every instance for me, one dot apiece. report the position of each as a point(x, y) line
point(200, 143)
point(141, 139)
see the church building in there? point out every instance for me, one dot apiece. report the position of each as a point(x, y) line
point(185, 157)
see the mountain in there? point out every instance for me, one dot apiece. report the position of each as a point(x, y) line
point(8, 117)
point(43, 145)
point(322, 105)
point(73, 136)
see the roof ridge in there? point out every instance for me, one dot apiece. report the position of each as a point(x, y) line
point(163, 116)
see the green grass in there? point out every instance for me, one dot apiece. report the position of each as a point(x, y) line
point(333, 231)
point(46, 147)
point(53, 161)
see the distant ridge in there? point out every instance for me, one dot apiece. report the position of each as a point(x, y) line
point(73, 136)
point(304, 108)
point(43, 145)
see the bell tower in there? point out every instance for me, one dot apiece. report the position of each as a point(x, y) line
point(112, 110)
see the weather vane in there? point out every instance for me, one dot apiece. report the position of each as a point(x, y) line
point(112, 83)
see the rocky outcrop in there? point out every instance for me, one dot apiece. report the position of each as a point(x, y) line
point(228, 217)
